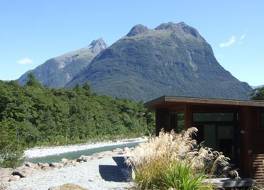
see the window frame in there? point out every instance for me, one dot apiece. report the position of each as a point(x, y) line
point(261, 119)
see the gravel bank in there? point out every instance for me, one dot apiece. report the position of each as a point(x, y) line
point(100, 173)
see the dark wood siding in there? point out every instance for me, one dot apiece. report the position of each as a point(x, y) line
point(249, 132)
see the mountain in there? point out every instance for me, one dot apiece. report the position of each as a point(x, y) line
point(56, 72)
point(172, 59)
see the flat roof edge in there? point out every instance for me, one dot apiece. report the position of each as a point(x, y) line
point(196, 100)
point(161, 99)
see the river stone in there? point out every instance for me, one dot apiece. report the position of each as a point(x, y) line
point(14, 178)
point(56, 165)
point(83, 158)
point(126, 150)
point(65, 161)
point(44, 166)
point(22, 171)
point(67, 187)
point(73, 162)
point(31, 165)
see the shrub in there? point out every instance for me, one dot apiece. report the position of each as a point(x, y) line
point(180, 176)
point(176, 161)
point(10, 148)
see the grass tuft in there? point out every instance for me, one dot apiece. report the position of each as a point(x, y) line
point(176, 161)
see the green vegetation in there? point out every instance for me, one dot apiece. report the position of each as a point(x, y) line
point(34, 115)
point(176, 175)
point(176, 161)
point(258, 94)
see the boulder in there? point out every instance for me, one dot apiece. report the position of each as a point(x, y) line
point(44, 166)
point(22, 171)
point(14, 178)
point(73, 162)
point(56, 165)
point(67, 187)
point(65, 161)
point(83, 158)
point(126, 150)
point(31, 165)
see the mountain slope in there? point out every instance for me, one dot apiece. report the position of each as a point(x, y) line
point(56, 72)
point(172, 59)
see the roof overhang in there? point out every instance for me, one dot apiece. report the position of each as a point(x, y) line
point(163, 100)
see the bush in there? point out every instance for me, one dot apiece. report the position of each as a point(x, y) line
point(176, 161)
point(181, 176)
point(10, 149)
point(177, 175)
point(258, 94)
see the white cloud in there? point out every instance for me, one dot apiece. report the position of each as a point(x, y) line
point(25, 61)
point(242, 37)
point(231, 41)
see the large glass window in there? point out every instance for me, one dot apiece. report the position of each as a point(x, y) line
point(213, 117)
point(177, 121)
point(180, 122)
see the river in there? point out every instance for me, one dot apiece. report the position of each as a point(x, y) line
point(76, 154)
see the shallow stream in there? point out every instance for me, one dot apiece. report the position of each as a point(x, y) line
point(77, 154)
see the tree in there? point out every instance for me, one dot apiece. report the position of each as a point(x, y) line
point(258, 94)
point(87, 89)
point(32, 81)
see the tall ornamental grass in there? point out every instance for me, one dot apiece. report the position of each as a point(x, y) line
point(175, 161)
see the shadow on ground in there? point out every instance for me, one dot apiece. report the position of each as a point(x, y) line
point(117, 173)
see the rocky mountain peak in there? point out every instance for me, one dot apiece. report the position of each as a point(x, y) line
point(137, 29)
point(173, 59)
point(97, 46)
point(181, 26)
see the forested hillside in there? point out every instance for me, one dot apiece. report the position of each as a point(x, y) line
point(34, 115)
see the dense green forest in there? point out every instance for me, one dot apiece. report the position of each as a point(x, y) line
point(34, 115)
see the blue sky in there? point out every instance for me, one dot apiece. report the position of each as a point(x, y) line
point(32, 31)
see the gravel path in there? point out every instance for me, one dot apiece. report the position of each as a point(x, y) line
point(104, 173)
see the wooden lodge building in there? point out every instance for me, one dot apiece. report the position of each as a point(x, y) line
point(232, 126)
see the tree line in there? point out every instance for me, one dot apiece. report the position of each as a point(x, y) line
point(33, 115)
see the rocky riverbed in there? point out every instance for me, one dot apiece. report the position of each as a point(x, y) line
point(104, 170)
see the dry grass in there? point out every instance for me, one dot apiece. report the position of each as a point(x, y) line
point(149, 160)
